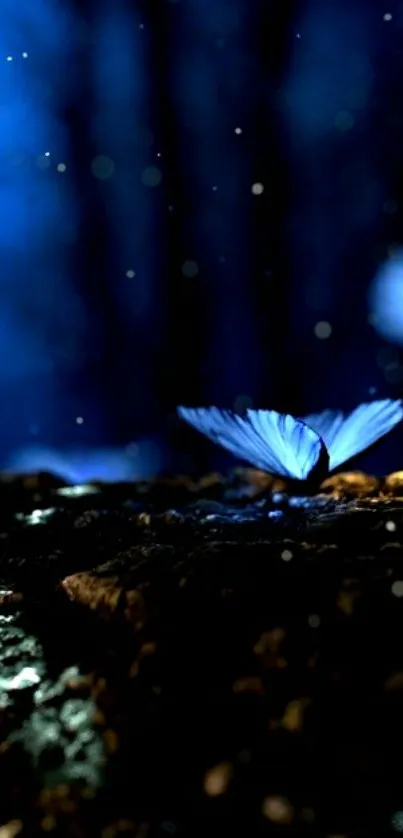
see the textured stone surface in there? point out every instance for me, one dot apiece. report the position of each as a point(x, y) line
point(200, 658)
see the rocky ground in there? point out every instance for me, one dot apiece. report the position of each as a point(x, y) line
point(201, 658)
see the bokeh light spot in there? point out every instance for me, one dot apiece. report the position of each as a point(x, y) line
point(386, 299)
point(257, 188)
point(397, 821)
point(151, 176)
point(323, 330)
point(102, 167)
point(61, 167)
point(190, 268)
point(344, 120)
point(397, 589)
point(314, 621)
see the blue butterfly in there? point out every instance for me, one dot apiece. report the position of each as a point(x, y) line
point(299, 449)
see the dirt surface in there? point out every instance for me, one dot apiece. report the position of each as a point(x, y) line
point(201, 657)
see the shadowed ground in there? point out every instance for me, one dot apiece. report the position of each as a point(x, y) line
point(201, 657)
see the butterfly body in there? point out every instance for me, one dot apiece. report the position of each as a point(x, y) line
point(305, 449)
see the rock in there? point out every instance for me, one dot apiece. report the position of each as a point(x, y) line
point(173, 657)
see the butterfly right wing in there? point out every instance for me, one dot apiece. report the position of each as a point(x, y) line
point(273, 442)
point(348, 435)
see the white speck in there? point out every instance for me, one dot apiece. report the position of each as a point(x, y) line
point(286, 555)
point(80, 420)
point(141, 25)
point(257, 188)
point(130, 273)
point(314, 621)
point(159, 154)
point(298, 35)
point(170, 208)
point(323, 330)
point(238, 130)
point(390, 526)
point(61, 167)
point(25, 55)
point(9, 58)
point(214, 188)
point(387, 17)
point(397, 589)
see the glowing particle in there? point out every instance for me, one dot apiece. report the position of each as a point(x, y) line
point(130, 273)
point(159, 154)
point(238, 130)
point(397, 589)
point(314, 621)
point(390, 526)
point(47, 153)
point(25, 55)
point(9, 58)
point(190, 268)
point(61, 167)
point(141, 25)
point(323, 330)
point(102, 167)
point(286, 555)
point(344, 120)
point(79, 420)
point(214, 188)
point(217, 780)
point(151, 176)
point(387, 17)
point(278, 810)
point(298, 35)
point(257, 188)
point(77, 491)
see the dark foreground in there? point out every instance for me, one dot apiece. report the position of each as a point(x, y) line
point(203, 659)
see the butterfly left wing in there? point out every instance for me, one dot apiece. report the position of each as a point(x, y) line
point(273, 442)
point(346, 436)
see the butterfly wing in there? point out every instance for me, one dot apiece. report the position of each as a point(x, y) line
point(346, 436)
point(271, 441)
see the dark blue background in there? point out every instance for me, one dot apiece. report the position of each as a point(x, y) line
point(121, 167)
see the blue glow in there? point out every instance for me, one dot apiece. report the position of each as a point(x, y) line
point(78, 466)
point(386, 299)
